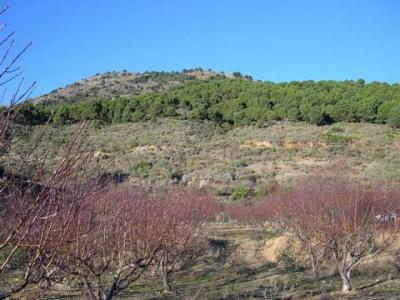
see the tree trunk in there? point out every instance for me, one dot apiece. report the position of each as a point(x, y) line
point(164, 276)
point(89, 289)
point(346, 282)
point(315, 266)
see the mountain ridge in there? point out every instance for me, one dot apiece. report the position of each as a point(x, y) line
point(122, 83)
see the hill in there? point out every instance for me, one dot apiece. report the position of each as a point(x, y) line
point(203, 128)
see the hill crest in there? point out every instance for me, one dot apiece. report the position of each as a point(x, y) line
point(124, 83)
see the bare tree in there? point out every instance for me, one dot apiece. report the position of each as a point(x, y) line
point(183, 243)
point(39, 212)
point(297, 212)
point(254, 213)
point(331, 216)
point(120, 234)
point(10, 73)
point(37, 204)
point(353, 231)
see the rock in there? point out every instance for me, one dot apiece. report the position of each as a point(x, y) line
point(186, 179)
point(249, 181)
point(203, 183)
point(225, 190)
point(260, 293)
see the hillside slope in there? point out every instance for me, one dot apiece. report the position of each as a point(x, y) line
point(199, 154)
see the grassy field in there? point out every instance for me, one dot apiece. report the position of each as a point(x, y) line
point(202, 154)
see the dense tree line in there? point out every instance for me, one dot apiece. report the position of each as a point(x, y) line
point(235, 102)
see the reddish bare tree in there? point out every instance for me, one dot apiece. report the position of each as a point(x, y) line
point(120, 234)
point(344, 219)
point(10, 73)
point(29, 205)
point(183, 243)
point(297, 212)
point(36, 213)
point(255, 213)
point(239, 212)
point(353, 229)
point(117, 233)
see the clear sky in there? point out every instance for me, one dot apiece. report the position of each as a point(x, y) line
point(279, 40)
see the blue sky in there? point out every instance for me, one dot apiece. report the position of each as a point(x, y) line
point(279, 40)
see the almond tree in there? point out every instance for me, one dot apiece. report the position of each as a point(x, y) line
point(117, 236)
point(36, 213)
point(342, 219)
point(183, 243)
point(297, 212)
point(352, 229)
point(118, 233)
point(10, 74)
point(37, 204)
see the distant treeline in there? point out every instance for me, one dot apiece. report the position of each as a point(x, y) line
point(235, 102)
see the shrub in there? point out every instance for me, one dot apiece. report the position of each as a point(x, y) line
point(336, 139)
point(237, 74)
point(319, 117)
point(394, 117)
point(97, 124)
point(270, 185)
point(240, 192)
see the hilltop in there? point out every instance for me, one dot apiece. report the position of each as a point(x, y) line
point(124, 83)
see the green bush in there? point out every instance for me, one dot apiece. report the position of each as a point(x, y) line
point(97, 124)
point(142, 168)
point(240, 192)
point(394, 117)
point(336, 139)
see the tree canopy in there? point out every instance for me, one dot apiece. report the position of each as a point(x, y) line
point(235, 102)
